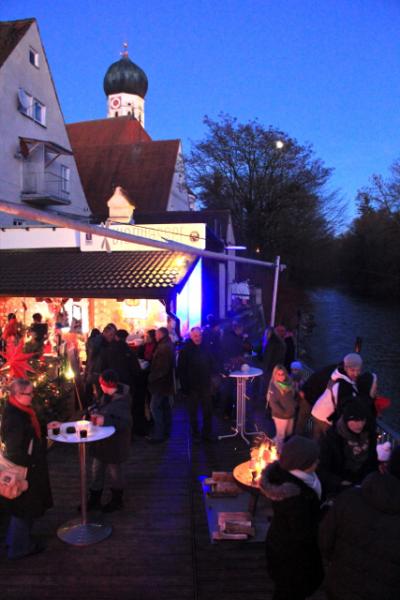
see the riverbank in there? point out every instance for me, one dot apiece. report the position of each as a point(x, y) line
point(339, 318)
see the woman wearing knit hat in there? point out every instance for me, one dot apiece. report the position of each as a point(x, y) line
point(348, 450)
point(291, 484)
point(113, 408)
point(360, 537)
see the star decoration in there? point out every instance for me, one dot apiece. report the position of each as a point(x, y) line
point(17, 361)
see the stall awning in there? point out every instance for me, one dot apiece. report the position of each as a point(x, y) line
point(72, 273)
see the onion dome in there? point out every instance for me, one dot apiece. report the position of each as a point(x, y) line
point(124, 77)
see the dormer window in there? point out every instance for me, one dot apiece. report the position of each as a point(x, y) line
point(34, 57)
point(31, 107)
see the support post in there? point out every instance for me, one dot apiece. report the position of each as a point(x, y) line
point(275, 290)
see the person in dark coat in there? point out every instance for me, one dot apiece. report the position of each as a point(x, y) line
point(98, 359)
point(161, 386)
point(25, 444)
point(293, 556)
point(123, 359)
point(348, 449)
point(360, 537)
point(232, 352)
point(113, 408)
point(195, 369)
point(274, 350)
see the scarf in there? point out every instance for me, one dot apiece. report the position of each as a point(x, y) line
point(284, 386)
point(310, 479)
point(32, 415)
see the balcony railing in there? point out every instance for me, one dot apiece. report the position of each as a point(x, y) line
point(45, 188)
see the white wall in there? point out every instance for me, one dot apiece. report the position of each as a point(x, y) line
point(17, 72)
point(179, 197)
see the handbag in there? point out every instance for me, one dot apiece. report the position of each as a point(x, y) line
point(12, 477)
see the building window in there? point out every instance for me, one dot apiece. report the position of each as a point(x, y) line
point(31, 107)
point(34, 57)
point(65, 179)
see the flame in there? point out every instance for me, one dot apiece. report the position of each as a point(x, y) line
point(262, 456)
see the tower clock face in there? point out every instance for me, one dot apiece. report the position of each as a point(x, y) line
point(116, 102)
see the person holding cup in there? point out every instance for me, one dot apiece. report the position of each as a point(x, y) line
point(109, 455)
point(25, 444)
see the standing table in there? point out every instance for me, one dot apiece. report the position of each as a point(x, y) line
point(241, 380)
point(80, 532)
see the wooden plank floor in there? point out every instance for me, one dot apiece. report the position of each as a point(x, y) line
point(159, 548)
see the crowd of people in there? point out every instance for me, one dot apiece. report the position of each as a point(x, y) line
point(335, 492)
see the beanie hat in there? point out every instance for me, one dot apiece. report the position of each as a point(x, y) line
point(355, 410)
point(383, 451)
point(296, 364)
point(394, 463)
point(298, 453)
point(352, 360)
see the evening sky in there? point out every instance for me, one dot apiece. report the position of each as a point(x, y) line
point(323, 71)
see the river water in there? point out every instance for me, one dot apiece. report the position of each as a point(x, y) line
point(338, 319)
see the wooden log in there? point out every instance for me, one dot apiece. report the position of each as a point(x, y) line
point(220, 535)
point(233, 516)
point(222, 476)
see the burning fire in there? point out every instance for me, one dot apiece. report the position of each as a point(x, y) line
point(261, 456)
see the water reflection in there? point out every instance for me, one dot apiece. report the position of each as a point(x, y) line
point(339, 319)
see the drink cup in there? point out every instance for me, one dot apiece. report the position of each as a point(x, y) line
point(93, 418)
point(83, 433)
point(53, 428)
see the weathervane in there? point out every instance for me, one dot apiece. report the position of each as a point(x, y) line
point(124, 52)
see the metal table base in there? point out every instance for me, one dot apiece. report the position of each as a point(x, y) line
point(79, 534)
point(240, 428)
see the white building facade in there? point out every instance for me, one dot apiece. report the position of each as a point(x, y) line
point(36, 162)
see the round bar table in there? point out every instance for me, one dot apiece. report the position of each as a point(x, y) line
point(241, 380)
point(80, 532)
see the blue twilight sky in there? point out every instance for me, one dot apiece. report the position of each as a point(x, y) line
point(324, 71)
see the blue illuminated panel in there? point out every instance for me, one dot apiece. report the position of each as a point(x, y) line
point(188, 302)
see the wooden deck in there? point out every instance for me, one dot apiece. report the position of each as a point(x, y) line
point(160, 547)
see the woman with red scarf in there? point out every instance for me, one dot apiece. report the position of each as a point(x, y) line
point(25, 444)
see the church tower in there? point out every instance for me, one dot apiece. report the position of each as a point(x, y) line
point(125, 85)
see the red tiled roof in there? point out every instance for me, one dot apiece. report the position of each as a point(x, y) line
point(11, 33)
point(107, 132)
point(72, 273)
point(108, 153)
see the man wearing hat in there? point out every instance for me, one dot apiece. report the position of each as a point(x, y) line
point(346, 382)
point(291, 484)
point(348, 450)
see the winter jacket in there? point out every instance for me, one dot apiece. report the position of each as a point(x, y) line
point(282, 402)
point(195, 367)
point(332, 464)
point(116, 410)
point(161, 376)
point(340, 388)
point(293, 557)
point(274, 352)
point(17, 433)
point(122, 359)
point(360, 537)
point(231, 346)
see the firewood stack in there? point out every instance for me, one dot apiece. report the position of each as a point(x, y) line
point(222, 485)
point(234, 526)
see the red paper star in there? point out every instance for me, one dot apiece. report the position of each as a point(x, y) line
point(17, 361)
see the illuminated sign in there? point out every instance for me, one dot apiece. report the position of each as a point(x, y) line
point(190, 234)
